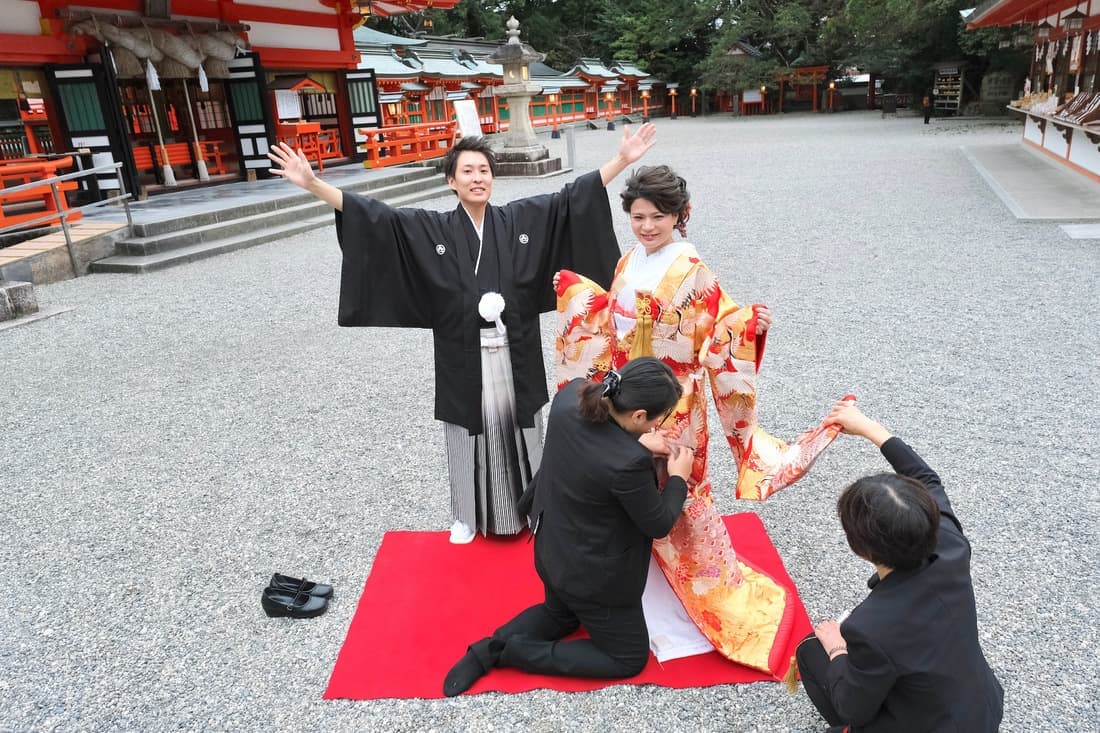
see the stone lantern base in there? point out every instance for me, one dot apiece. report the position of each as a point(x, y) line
point(530, 161)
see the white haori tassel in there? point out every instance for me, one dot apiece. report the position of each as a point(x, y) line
point(490, 307)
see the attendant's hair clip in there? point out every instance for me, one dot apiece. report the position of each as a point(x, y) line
point(612, 384)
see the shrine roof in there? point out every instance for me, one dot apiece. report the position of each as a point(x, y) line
point(540, 69)
point(386, 63)
point(481, 67)
point(364, 36)
point(627, 68)
point(740, 48)
point(592, 67)
point(440, 63)
point(557, 83)
point(295, 83)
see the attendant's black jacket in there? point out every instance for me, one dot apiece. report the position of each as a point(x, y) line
point(595, 507)
point(914, 662)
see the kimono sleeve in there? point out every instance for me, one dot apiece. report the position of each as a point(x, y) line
point(582, 345)
point(730, 350)
point(382, 283)
point(572, 230)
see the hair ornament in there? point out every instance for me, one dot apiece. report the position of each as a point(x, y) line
point(612, 384)
point(682, 220)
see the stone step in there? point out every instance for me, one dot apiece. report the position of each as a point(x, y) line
point(186, 249)
point(179, 239)
point(203, 250)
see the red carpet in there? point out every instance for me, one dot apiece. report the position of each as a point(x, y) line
point(426, 600)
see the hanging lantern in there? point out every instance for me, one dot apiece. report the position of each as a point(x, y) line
point(1075, 21)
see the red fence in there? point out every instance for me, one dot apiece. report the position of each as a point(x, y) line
point(406, 143)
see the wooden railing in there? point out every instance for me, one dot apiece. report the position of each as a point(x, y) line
point(51, 191)
point(25, 203)
point(406, 143)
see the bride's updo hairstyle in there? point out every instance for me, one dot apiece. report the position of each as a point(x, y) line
point(660, 186)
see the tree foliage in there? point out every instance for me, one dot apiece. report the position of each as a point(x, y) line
point(689, 40)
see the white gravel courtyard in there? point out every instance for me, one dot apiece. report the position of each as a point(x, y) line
point(178, 436)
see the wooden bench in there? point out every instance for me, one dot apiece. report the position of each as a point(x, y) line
point(149, 157)
point(180, 154)
point(32, 203)
point(143, 158)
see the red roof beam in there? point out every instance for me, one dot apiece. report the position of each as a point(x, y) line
point(1010, 12)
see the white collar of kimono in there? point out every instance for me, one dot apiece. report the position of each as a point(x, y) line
point(480, 235)
point(645, 271)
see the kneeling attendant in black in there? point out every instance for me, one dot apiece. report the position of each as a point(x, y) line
point(907, 659)
point(594, 507)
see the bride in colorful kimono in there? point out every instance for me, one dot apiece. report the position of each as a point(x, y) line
point(665, 302)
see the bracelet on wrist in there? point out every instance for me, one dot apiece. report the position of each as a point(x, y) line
point(835, 649)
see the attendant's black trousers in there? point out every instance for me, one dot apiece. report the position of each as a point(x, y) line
point(618, 643)
point(813, 667)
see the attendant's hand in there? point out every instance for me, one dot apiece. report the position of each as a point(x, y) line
point(853, 422)
point(763, 319)
point(680, 460)
point(293, 165)
point(828, 633)
point(655, 443)
point(633, 147)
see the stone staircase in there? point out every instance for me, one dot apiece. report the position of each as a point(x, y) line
point(176, 241)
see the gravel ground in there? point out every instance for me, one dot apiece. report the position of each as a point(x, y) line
point(179, 435)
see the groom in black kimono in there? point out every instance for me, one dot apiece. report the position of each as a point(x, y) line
point(426, 269)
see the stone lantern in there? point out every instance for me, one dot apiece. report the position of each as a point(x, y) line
point(522, 154)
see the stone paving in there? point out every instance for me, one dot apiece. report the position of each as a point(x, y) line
point(177, 436)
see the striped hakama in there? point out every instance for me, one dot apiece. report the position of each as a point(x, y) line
point(488, 472)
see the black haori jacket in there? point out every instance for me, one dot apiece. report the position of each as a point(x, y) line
point(415, 268)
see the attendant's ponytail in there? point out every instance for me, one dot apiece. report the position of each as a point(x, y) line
point(645, 383)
